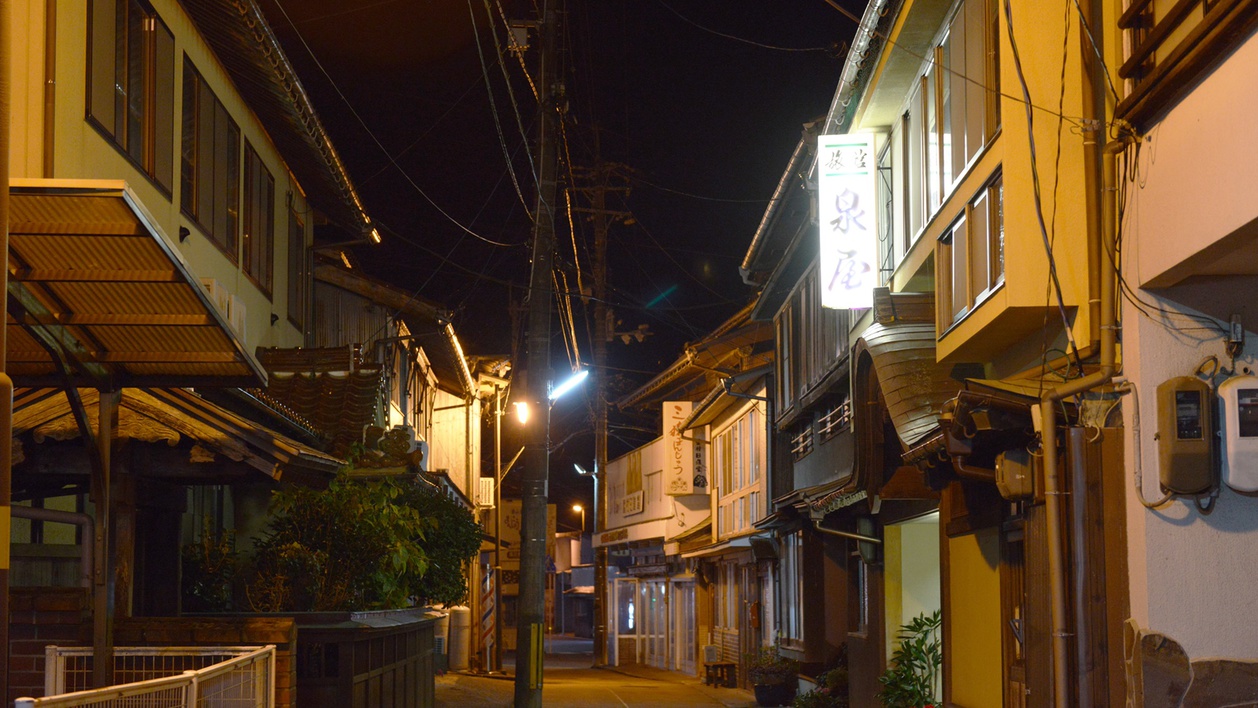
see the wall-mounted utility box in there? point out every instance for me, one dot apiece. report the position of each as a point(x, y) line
point(1185, 435)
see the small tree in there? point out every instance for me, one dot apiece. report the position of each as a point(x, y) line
point(913, 679)
point(450, 543)
point(354, 546)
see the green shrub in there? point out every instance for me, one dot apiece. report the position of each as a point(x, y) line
point(912, 681)
point(361, 546)
point(767, 667)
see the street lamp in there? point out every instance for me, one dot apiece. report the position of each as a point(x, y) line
point(581, 510)
point(586, 473)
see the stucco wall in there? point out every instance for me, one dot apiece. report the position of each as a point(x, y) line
point(1191, 573)
point(81, 152)
point(975, 673)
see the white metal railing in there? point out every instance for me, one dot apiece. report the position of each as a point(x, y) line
point(224, 677)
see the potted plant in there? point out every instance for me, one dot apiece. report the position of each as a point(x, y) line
point(772, 676)
point(831, 690)
point(912, 681)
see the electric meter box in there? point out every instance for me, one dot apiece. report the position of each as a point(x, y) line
point(1017, 474)
point(1239, 397)
point(1186, 435)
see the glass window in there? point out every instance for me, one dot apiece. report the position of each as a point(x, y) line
point(930, 115)
point(792, 587)
point(258, 251)
point(131, 84)
point(298, 270)
point(626, 610)
point(785, 356)
point(952, 113)
point(971, 254)
point(914, 175)
point(210, 191)
point(738, 456)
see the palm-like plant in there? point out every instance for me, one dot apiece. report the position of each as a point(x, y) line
point(913, 679)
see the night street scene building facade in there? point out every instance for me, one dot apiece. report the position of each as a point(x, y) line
point(985, 383)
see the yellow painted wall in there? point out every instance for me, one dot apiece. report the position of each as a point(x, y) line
point(1038, 30)
point(80, 152)
point(973, 620)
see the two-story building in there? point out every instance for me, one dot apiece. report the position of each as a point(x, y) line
point(170, 184)
point(686, 547)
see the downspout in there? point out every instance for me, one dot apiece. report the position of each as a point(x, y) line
point(67, 517)
point(1048, 426)
point(467, 448)
point(816, 524)
point(50, 85)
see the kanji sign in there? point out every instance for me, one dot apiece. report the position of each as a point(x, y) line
point(846, 172)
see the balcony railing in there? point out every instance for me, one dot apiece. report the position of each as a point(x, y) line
point(195, 677)
point(1173, 43)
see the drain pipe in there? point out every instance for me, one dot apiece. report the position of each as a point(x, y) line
point(1048, 423)
point(67, 517)
point(816, 524)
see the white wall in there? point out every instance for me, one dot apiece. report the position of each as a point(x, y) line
point(1198, 178)
point(1191, 575)
point(449, 440)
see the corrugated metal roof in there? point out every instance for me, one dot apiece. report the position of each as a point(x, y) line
point(97, 294)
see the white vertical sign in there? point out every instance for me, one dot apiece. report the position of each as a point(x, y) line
point(679, 469)
point(846, 177)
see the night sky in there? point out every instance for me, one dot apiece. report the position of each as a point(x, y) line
point(697, 103)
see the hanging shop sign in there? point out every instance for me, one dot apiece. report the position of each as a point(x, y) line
point(679, 472)
point(846, 182)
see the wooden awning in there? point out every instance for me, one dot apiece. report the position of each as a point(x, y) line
point(98, 296)
point(172, 416)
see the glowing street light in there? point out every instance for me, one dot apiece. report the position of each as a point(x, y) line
point(568, 385)
point(581, 510)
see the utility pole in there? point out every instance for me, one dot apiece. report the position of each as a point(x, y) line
point(599, 214)
point(530, 627)
point(6, 384)
point(601, 333)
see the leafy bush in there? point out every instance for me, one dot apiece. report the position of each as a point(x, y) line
point(354, 546)
point(767, 667)
point(831, 690)
point(209, 566)
point(451, 542)
point(361, 546)
point(913, 679)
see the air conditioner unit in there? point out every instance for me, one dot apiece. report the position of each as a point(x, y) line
point(218, 294)
point(236, 315)
point(485, 498)
point(425, 452)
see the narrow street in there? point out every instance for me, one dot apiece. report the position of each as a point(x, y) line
point(570, 682)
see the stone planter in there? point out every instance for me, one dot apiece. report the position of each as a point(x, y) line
point(776, 694)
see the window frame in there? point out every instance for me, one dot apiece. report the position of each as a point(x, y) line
point(739, 452)
point(157, 79)
point(791, 570)
point(298, 270)
point(221, 225)
point(251, 252)
point(988, 201)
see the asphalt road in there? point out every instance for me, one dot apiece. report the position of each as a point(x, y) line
point(570, 683)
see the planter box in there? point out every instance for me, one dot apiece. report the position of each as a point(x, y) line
point(366, 659)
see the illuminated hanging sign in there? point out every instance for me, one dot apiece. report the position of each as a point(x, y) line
point(846, 173)
point(679, 456)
